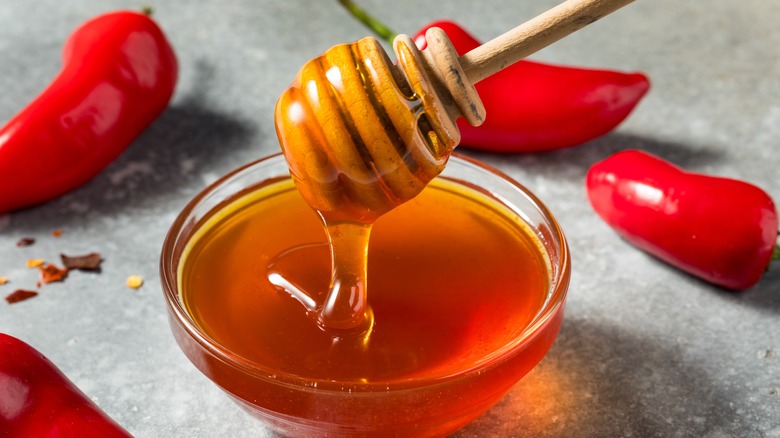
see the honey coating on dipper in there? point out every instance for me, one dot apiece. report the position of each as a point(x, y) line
point(361, 135)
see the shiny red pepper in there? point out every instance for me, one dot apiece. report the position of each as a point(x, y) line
point(719, 229)
point(37, 400)
point(534, 107)
point(118, 74)
point(531, 106)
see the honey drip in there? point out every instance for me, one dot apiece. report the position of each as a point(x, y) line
point(344, 308)
point(347, 301)
point(361, 136)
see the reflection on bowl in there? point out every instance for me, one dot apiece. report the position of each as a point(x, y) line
point(431, 379)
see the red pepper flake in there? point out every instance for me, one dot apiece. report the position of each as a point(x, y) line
point(88, 262)
point(20, 295)
point(25, 241)
point(56, 233)
point(51, 273)
point(34, 263)
point(3, 280)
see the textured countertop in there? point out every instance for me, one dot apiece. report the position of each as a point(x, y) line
point(645, 350)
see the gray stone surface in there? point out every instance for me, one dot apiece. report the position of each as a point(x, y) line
point(644, 351)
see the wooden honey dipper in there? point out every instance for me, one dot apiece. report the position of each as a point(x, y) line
point(362, 135)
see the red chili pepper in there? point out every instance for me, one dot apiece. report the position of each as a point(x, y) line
point(37, 400)
point(118, 74)
point(719, 229)
point(534, 107)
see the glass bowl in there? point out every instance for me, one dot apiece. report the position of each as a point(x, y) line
point(296, 406)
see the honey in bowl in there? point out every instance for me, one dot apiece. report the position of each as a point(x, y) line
point(466, 285)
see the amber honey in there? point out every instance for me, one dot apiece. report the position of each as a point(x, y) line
point(454, 276)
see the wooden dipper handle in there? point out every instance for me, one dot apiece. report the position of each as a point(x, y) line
point(534, 35)
point(459, 74)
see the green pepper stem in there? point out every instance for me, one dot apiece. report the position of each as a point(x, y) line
point(369, 21)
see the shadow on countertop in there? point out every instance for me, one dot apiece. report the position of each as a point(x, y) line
point(764, 296)
point(572, 164)
point(600, 381)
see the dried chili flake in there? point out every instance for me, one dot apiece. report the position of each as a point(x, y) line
point(20, 295)
point(34, 263)
point(3, 280)
point(51, 273)
point(88, 262)
point(56, 233)
point(25, 241)
point(134, 281)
